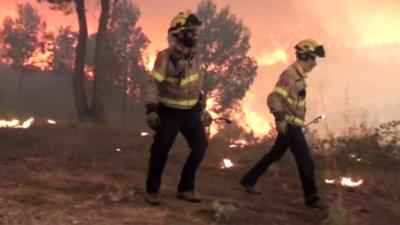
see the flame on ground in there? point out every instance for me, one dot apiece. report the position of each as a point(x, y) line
point(348, 182)
point(345, 182)
point(226, 163)
point(212, 106)
point(250, 121)
point(328, 181)
point(14, 123)
point(50, 121)
point(241, 114)
point(239, 143)
point(89, 72)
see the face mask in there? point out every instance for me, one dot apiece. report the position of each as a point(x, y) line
point(189, 39)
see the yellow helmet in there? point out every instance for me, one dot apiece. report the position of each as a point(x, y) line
point(183, 21)
point(309, 46)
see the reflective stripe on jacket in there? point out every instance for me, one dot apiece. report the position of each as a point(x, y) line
point(289, 94)
point(175, 81)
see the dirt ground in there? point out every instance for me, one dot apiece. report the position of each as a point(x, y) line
point(73, 175)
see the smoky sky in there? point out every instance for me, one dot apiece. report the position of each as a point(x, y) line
point(356, 82)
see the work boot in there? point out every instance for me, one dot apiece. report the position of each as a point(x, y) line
point(189, 196)
point(250, 189)
point(318, 204)
point(153, 199)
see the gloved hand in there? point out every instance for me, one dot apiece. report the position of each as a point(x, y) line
point(202, 100)
point(206, 118)
point(153, 120)
point(281, 127)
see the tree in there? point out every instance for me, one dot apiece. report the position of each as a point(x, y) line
point(20, 37)
point(128, 43)
point(224, 43)
point(79, 79)
point(118, 42)
point(101, 68)
point(64, 46)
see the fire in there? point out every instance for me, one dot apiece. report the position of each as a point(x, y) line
point(240, 143)
point(226, 163)
point(14, 123)
point(40, 60)
point(42, 57)
point(271, 58)
point(50, 121)
point(242, 116)
point(150, 61)
point(249, 120)
point(89, 72)
point(143, 134)
point(345, 182)
point(329, 181)
point(212, 105)
point(348, 182)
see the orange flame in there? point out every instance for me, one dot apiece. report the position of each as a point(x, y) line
point(42, 57)
point(226, 163)
point(239, 143)
point(89, 72)
point(345, 182)
point(149, 62)
point(250, 121)
point(213, 105)
point(348, 182)
point(52, 122)
point(40, 60)
point(14, 123)
point(271, 58)
point(241, 114)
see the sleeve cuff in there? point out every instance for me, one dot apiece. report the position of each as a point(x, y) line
point(279, 116)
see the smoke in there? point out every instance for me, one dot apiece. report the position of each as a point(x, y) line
point(357, 81)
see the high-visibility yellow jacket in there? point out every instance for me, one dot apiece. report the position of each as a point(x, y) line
point(176, 80)
point(288, 96)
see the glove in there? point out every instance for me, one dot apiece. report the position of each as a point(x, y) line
point(280, 122)
point(281, 127)
point(202, 100)
point(153, 120)
point(206, 118)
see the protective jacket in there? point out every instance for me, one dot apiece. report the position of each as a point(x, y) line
point(287, 100)
point(176, 80)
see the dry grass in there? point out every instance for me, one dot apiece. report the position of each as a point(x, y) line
point(74, 175)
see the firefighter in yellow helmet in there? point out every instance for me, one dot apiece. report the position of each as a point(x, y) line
point(175, 103)
point(287, 104)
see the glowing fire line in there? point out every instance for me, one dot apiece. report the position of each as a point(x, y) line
point(14, 123)
point(345, 182)
point(226, 163)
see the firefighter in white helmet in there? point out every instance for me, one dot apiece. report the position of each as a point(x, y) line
point(287, 104)
point(175, 103)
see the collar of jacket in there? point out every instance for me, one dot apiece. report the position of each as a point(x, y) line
point(299, 68)
point(179, 54)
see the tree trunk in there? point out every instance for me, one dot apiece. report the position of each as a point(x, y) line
point(100, 81)
point(125, 99)
point(79, 64)
point(20, 90)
